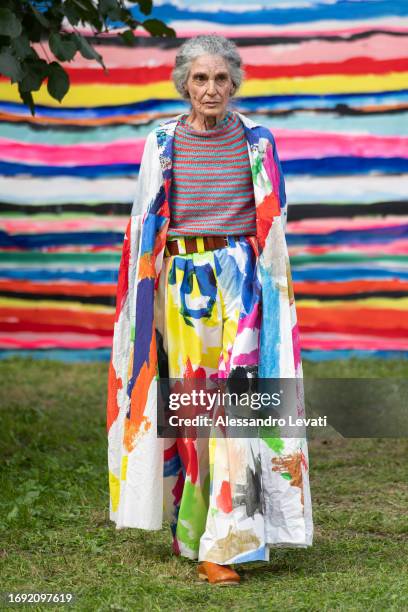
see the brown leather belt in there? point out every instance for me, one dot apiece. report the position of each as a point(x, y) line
point(210, 243)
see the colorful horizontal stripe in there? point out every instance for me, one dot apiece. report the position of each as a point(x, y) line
point(328, 78)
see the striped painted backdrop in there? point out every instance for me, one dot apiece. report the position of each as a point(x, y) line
point(330, 78)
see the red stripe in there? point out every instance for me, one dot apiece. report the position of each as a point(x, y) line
point(151, 74)
point(34, 326)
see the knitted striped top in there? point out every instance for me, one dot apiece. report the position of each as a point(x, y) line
point(212, 188)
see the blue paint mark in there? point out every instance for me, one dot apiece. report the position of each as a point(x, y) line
point(172, 466)
point(269, 366)
point(143, 326)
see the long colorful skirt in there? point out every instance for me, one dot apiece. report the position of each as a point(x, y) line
point(208, 317)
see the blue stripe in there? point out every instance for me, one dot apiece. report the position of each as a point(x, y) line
point(40, 274)
point(343, 10)
point(327, 166)
point(343, 274)
point(247, 104)
point(99, 171)
point(345, 165)
point(382, 235)
point(86, 355)
point(36, 241)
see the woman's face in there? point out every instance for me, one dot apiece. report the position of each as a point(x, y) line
point(209, 86)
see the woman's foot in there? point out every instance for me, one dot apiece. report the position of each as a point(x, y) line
point(217, 574)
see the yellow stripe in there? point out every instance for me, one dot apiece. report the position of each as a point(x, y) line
point(100, 95)
point(38, 304)
point(389, 303)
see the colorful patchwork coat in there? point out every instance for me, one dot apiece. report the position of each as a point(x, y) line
point(140, 482)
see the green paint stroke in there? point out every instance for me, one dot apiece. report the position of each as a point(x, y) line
point(276, 444)
point(192, 515)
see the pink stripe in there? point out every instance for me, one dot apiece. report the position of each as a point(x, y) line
point(351, 341)
point(121, 151)
point(396, 247)
point(30, 340)
point(307, 143)
point(324, 226)
point(291, 145)
point(379, 46)
point(39, 226)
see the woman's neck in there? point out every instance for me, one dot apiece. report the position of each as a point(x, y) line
point(201, 122)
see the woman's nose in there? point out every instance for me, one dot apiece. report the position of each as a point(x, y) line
point(211, 87)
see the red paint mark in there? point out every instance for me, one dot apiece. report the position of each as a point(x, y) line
point(224, 499)
point(122, 288)
point(114, 384)
point(138, 423)
point(188, 454)
point(265, 212)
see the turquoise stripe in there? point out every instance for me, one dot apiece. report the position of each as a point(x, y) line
point(390, 125)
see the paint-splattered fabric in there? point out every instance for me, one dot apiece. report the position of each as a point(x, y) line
point(143, 467)
point(208, 317)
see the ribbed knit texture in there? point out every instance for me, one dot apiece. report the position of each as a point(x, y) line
point(212, 189)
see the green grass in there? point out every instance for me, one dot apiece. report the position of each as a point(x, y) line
point(56, 534)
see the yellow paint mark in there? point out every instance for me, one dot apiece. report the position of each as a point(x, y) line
point(114, 488)
point(123, 470)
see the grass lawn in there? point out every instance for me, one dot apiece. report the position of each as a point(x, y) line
point(56, 535)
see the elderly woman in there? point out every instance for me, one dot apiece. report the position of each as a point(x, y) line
point(205, 292)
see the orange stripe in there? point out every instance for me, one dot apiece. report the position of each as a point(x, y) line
point(352, 318)
point(87, 319)
point(356, 286)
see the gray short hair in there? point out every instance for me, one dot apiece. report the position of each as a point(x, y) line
point(206, 44)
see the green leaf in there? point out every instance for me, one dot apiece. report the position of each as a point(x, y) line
point(128, 37)
point(10, 66)
point(71, 13)
point(145, 6)
point(40, 17)
point(89, 14)
point(155, 27)
point(35, 71)
point(111, 9)
point(27, 99)
point(21, 46)
point(86, 50)
point(32, 27)
point(9, 24)
point(63, 46)
point(58, 81)
point(108, 5)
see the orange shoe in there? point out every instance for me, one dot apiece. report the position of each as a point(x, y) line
point(217, 574)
